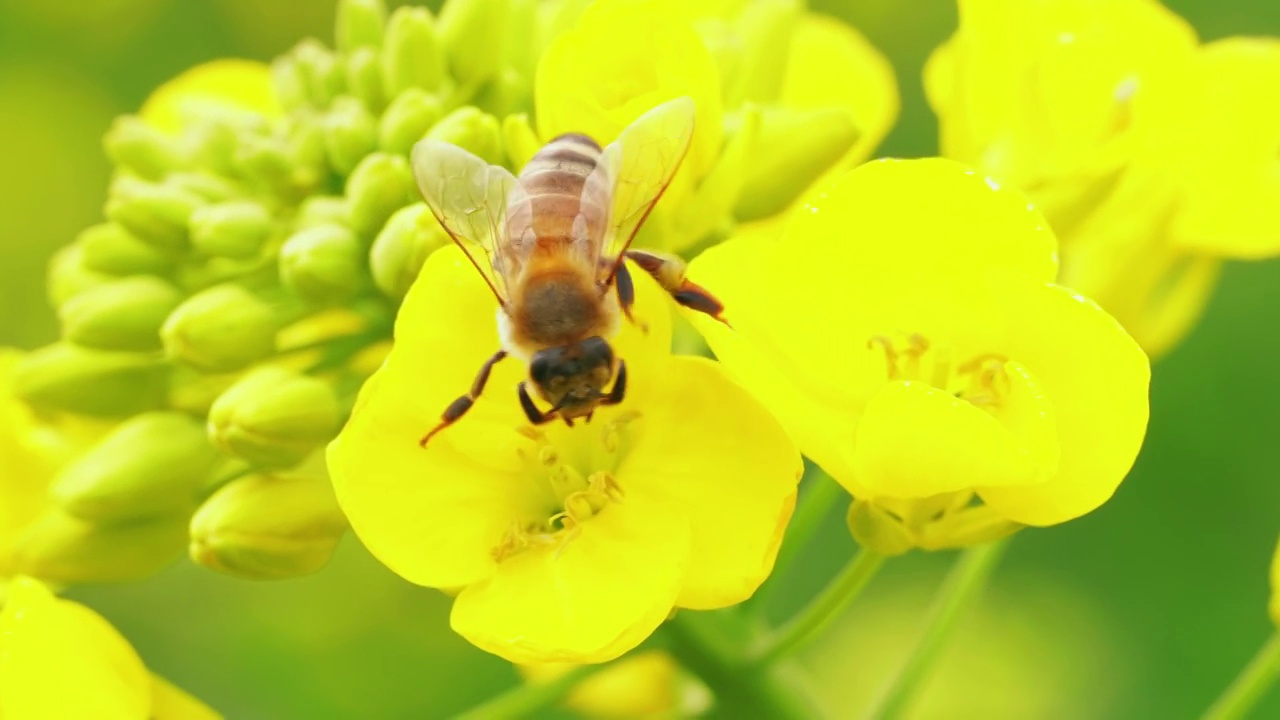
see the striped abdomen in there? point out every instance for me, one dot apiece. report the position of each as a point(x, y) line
point(561, 204)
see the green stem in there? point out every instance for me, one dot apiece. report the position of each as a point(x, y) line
point(821, 611)
point(1250, 686)
point(529, 698)
point(811, 510)
point(962, 587)
point(710, 645)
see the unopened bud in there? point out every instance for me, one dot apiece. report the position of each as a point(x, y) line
point(381, 184)
point(359, 24)
point(404, 244)
point(212, 145)
point(323, 264)
point(323, 210)
point(205, 185)
point(471, 129)
point(274, 418)
point(235, 229)
point(506, 93)
point(472, 32)
point(322, 75)
point(877, 530)
point(520, 140)
point(125, 314)
point(193, 392)
point(411, 54)
point(795, 147)
point(109, 248)
point(221, 329)
point(68, 276)
point(266, 527)
point(65, 549)
point(286, 80)
point(264, 162)
point(350, 133)
point(364, 78)
point(132, 143)
point(157, 214)
point(101, 383)
point(307, 155)
point(409, 116)
point(149, 465)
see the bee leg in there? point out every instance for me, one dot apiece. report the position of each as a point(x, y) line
point(627, 295)
point(619, 390)
point(531, 411)
point(669, 271)
point(459, 407)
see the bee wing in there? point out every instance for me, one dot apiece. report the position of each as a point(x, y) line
point(638, 166)
point(469, 198)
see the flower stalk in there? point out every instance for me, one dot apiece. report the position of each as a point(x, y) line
point(1250, 686)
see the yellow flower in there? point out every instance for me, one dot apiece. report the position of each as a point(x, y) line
point(59, 659)
point(565, 544)
point(622, 59)
point(642, 685)
point(1152, 156)
point(913, 343)
point(222, 87)
point(26, 467)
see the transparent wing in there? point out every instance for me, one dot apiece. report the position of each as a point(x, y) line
point(638, 166)
point(469, 198)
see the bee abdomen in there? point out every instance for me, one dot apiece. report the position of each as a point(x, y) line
point(561, 199)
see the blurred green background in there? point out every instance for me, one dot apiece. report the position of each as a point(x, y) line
point(1145, 608)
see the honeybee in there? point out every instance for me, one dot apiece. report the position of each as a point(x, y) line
point(551, 244)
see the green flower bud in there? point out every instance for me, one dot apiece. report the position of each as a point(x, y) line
point(359, 24)
point(472, 129)
point(764, 30)
point(196, 276)
point(64, 549)
point(273, 418)
point(877, 530)
point(154, 213)
point(149, 465)
point(323, 264)
point(264, 161)
point(323, 210)
point(133, 144)
point(323, 77)
point(266, 527)
point(236, 229)
point(520, 140)
point(473, 32)
point(208, 186)
point(794, 149)
point(712, 206)
point(350, 133)
point(288, 83)
point(221, 329)
point(101, 383)
point(307, 158)
point(109, 248)
point(407, 119)
point(380, 185)
point(364, 78)
point(122, 315)
point(212, 145)
point(403, 245)
point(68, 276)
point(411, 54)
point(506, 93)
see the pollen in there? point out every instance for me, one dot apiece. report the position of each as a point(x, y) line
point(982, 379)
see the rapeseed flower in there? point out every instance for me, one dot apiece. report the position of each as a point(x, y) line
point(1152, 155)
point(915, 345)
point(562, 544)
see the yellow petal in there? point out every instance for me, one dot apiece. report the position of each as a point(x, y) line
point(588, 600)
point(641, 685)
point(1097, 379)
point(916, 441)
point(25, 472)
point(170, 702)
point(59, 659)
point(222, 87)
point(434, 515)
point(709, 449)
point(1220, 121)
point(831, 64)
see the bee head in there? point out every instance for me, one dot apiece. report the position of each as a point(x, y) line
point(572, 377)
